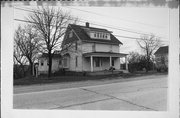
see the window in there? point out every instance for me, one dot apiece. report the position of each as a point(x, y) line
point(97, 62)
point(76, 61)
point(97, 35)
point(42, 63)
point(60, 62)
point(70, 34)
point(100, 35)
point(94, 34)
point(106, 36)
point(94, 47)
point(65, 62)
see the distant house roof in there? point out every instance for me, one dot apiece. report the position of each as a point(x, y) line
point(81, 33)
point(162, 50)
point(45, 55)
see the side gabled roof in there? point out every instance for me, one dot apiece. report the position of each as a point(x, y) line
point(80, 34)
point(162, 50)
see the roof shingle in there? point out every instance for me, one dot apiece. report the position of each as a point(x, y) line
point(80, 31)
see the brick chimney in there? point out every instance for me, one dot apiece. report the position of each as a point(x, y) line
point(87, 24)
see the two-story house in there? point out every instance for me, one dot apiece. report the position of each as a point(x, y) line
point(90, 49)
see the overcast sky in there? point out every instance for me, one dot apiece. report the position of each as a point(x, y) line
point(139, 20)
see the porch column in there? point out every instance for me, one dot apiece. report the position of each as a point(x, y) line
point(126, 63)
point(91, 63)
point(110, 61)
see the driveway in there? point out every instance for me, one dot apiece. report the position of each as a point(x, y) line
point(140, 94)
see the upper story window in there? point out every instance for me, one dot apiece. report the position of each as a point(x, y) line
point(71, 34)
point(100, 35)
point(42, 63)
point(94, 34)
point(76, 61)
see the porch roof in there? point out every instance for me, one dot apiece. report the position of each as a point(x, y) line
point(104, 54)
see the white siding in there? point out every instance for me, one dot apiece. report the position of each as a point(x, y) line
point(88, 47)
point(84, 63)
point(73, 66)
point(44, 68)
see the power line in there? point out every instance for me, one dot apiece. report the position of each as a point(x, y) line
point(134, 38)
point(114, 35)
point(53, 25)
point(31, 22)
point(126, 20)
point(122, 29)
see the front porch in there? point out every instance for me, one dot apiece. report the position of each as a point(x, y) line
point(102, 62)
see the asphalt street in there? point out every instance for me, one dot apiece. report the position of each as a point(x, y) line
point(144, 94)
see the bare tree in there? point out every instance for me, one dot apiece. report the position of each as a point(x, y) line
point(148, 43)
point(26, 45)
point(51, 25)
point(19, 59)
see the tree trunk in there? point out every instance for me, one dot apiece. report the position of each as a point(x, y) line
point(31, 67)
point(50, 64)
point(147, 64)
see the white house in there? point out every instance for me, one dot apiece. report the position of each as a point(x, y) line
point(90, 49)
point(43, 63)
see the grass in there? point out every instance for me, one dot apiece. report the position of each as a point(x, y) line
point(75, 78)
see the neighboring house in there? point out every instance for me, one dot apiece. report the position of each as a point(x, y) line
point(90, 49)
point(161, 57)
point(43, 63)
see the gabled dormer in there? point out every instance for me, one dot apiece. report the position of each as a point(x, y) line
point(96, 33)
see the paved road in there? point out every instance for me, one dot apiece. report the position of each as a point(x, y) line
point(147, 94)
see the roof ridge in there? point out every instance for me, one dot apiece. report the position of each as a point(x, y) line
point(82, 26)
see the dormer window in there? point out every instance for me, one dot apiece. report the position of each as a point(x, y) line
point(100, 35)
point(94, 34)
point(105, 36)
